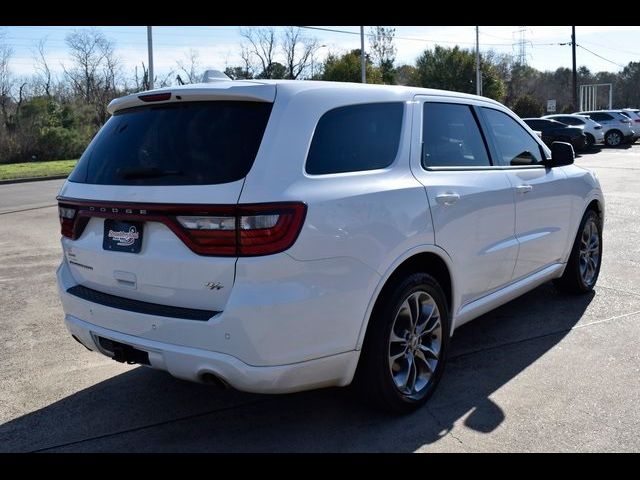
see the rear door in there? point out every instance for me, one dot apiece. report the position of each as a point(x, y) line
point(151, 200)
point(471, 202)
point(543, 206)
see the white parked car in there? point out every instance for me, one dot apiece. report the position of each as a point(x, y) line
point(279, 236)
point(593, 130)
point(634, 115)
point(618, 128)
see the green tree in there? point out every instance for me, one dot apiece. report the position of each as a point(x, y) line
point(455, 69)
point(274, 70)
point(406, 75)
point(346, 68)
point(526, 107)
point(237, 73)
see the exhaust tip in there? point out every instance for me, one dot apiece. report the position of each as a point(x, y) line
point(212, 379)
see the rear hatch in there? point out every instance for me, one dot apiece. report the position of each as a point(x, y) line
point(149, 213)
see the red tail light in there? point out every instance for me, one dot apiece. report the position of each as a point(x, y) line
point(155, 97)
point(217, 230)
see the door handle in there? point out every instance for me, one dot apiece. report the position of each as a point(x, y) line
point(524, 188)
point(448, 198)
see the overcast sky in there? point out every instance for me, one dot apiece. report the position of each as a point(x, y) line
point(219, 46)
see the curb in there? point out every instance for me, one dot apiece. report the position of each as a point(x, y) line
point(32, 179)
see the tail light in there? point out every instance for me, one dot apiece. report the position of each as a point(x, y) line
point(225, 230)
point(155, 97)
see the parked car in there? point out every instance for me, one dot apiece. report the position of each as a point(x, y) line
point(278, 236)
point(592, 130)
point(634, 115)
point(553, 131)
point(617, 127)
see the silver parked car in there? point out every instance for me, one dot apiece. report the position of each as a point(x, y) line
point(617, 126)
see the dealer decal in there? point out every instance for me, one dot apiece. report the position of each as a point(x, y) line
point(123, 238)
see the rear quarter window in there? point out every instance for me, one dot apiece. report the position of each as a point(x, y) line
point(356, 138)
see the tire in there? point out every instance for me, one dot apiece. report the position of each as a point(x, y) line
point(613, 138)
point(381, 379)
point(583, 267)
point(590, 142)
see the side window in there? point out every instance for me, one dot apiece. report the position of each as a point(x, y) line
point(600, 117)
point(514, 144)
point(451, 137)
point(572, 121)
point(356, 138)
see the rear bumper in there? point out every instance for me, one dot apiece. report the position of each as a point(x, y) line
point(192, 363)
point(288, 325)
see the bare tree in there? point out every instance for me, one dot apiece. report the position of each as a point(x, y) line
point(383, 51)
point(95, 69)
point(6, 81)
point(190, 70)
point(43, 72)
point(298, 51)
point(261, 44)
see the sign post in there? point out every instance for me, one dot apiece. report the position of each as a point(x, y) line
point(551, 106)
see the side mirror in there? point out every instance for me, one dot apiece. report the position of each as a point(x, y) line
point(561, 154)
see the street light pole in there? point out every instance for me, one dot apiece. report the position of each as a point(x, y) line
point(363, 67)
point(478, 74)
point(575, 73)
point(150, 52)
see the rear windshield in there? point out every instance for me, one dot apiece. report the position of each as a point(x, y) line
point(196, 143)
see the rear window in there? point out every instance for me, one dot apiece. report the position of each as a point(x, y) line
point(195, 143)
point(356, 138)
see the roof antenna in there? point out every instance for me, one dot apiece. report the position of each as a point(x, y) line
point(210, 76)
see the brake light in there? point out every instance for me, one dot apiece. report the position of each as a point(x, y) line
point(155, 97)
point(217, 230)
point(70, 226)
point(260, 229)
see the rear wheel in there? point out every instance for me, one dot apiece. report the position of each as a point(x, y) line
point(613, 138)
point(583, 267)
point(590, 141)
point(406, 345)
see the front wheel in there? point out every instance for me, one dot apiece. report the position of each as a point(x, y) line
point(583, 267)
point(406, 345)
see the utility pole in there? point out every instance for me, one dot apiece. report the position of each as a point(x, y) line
point(575, 73)
point(478, 74)
point(363, 66)
point(150, 51)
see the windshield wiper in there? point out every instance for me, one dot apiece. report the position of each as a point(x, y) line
point(152, 172)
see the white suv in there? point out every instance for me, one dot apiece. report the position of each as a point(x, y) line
point(278, 236)
point(593, 130)
point(618, 128)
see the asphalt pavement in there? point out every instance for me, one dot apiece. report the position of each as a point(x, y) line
point(546, 372)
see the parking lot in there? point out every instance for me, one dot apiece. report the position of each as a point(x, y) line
point(546, 372)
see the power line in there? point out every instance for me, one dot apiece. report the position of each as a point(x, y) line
point(637, 54)
point(599, 56)
point(414, 39)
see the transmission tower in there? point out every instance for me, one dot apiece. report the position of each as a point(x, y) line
point(521, 45)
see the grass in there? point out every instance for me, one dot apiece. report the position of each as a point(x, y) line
point(13, 171)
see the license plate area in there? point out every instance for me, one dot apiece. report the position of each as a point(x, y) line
point(122, 352)
point(120, 236)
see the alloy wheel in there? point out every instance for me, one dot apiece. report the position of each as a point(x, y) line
point(589, 252)
point(414, 344)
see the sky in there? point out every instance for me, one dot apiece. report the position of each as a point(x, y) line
point(611, 48)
